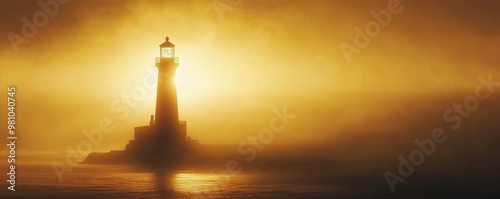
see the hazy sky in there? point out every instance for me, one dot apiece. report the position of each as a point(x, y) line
point(239, 65)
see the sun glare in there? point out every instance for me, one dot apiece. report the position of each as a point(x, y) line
point(176, 78)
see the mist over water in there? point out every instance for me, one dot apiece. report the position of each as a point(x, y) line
point(356, 119)
point(349, 165)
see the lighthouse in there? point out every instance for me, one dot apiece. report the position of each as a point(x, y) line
point(167, 113)
point(163, 141)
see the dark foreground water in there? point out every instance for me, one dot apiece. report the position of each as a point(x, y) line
point(97, 181)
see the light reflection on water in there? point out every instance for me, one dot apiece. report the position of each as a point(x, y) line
point(97, 181)
point(103, 181)
point(199, 183)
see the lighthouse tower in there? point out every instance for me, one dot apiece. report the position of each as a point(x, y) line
point(170, 132)
point(163, 141)
point(167, 114)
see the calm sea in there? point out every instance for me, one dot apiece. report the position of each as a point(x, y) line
point(97, 181)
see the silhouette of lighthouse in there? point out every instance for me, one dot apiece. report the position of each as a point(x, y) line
point(171, 133)
point(163, 141)
point(167, 114)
